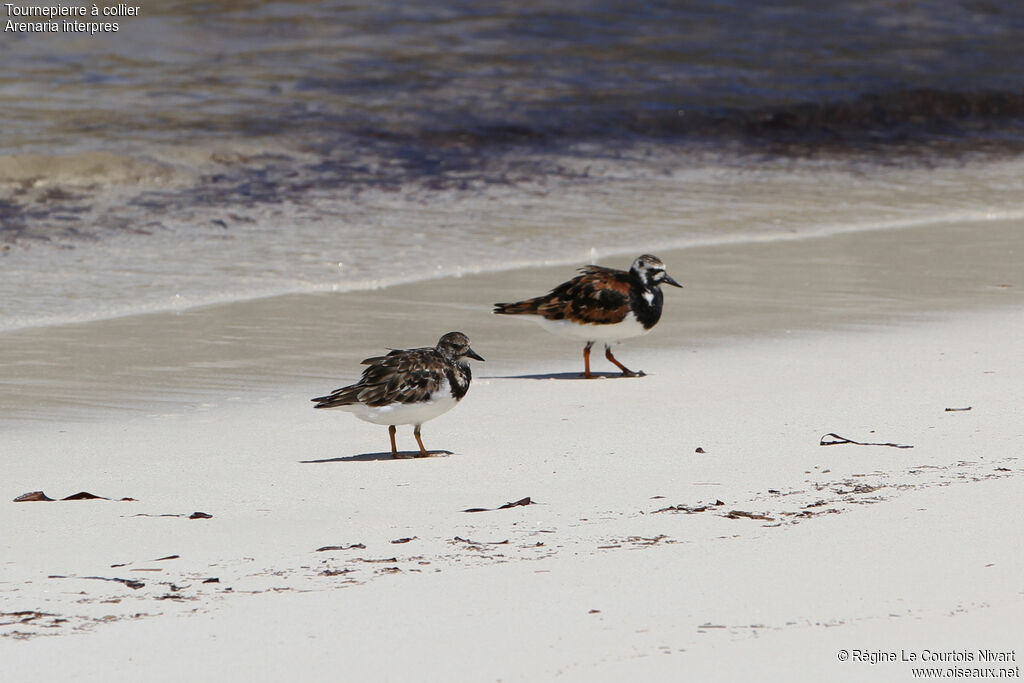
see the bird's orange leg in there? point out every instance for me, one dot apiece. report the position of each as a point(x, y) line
point(416, 433)
point(626, 372)
point(394, 449)
point(586, 360)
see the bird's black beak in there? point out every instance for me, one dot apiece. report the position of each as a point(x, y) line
point(470, 353)
point(669, 281)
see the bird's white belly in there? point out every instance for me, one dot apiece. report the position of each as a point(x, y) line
point(405, 413)
point(609, 334)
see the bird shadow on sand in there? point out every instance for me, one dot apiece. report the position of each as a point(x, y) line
point(569, 375)
point(384, 455)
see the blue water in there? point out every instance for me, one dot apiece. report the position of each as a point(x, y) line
point(217, 150)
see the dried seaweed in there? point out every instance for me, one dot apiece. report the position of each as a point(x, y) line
point(342, 547)
point(643, 540)
point(381, 560)
point(738, 514)
point(84, 495)
point(838, 440)
point(81, 495)
point(32, 496)
point(23, 617)
point(166, 514)
point(131, 583)
point(521, 501)
point(859, 488)
point(690, 509)
point(466, 540)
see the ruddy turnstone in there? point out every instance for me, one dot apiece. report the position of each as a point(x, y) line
point(601, 304)
point(408, 387)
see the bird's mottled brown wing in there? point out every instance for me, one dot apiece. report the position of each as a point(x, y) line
point(399, 377)
point(598, 296)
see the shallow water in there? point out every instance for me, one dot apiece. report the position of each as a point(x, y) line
point(219, 151)
point(342, 245)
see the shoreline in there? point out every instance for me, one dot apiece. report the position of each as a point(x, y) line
point(601, 256)
point(166, 362)
point(601, 207)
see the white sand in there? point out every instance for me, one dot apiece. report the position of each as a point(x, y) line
point(869, 548)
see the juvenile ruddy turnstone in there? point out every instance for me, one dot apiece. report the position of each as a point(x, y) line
point(408, 387)
point(601, 304)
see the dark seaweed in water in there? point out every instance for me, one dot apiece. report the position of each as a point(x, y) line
point(920, 123)
point(942, 121)
point(452, 95)
point(901, 121)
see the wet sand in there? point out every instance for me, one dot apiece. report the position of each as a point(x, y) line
point(167, 362)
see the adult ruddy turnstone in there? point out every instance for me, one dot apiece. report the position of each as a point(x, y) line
point(408, 387)
point(601, 304)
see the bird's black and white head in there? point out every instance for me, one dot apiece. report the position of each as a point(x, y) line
point(650, 271)
point(455, 347)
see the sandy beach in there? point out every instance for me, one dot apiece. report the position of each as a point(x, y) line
point(211, 212)
point(688, 524)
